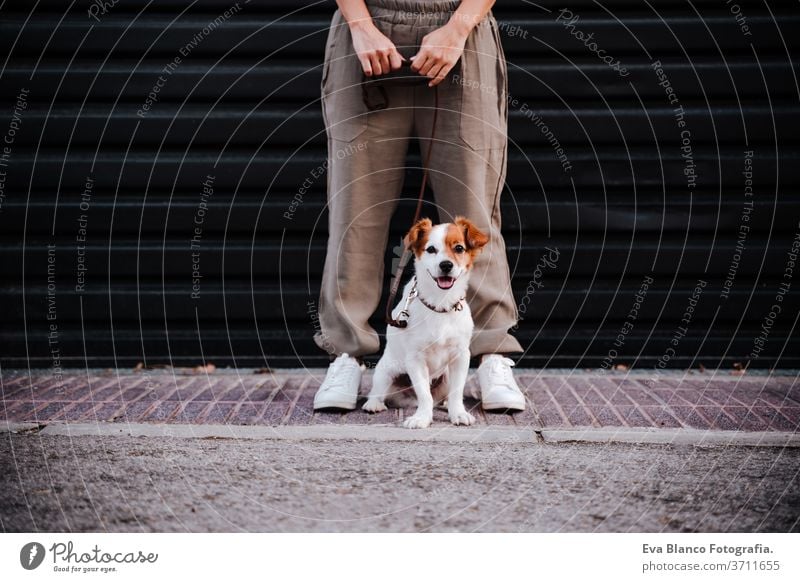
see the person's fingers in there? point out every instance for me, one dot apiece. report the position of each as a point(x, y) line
point(376, 64)
point(395, 59)
point(424, 64)
point(434, 70)
point(419, 59)
point(432, 62)
point(437, 73)
point(440, 76)
point(383, 57)
point(366, 66)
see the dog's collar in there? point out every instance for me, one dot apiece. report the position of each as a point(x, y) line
point(457, 306)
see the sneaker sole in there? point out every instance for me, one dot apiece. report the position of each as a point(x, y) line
point(340, 404)
point(503, 406)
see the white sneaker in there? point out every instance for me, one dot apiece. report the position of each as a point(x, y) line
point(499, 389)
point(341, 384)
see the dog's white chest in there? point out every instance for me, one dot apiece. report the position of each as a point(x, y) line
point(435, 338)
point(442, 351)
point(429, 329)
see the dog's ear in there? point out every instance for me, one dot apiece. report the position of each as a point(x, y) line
point(473, 236)
point(418, 234)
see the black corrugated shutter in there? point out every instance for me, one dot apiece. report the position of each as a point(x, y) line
point(626, 247)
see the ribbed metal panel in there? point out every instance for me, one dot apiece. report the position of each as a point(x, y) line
point(242, 105)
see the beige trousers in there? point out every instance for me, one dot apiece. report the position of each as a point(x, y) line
point(367, 162)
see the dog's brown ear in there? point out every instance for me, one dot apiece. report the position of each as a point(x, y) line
point(473, 236)
point(418, 234)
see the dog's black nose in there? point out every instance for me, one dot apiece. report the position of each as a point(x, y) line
point(446, 266)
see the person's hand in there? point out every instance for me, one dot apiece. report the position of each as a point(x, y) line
point(439, 52)
point(375, 51)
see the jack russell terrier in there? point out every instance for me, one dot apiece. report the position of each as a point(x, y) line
point(432, 352)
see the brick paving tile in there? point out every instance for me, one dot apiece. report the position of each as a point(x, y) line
point(550, 416)
point(776, 419)
point(720, 418)
point(161, 412)
point(579, 399)
point(634, 416)
point(662, 416)
point(245, 413)
point(385, 417)
point(44, 411)
point(27, 386)
point(219, 412)
point(10, 385)
point(557, 388)
point(277, 406)
point(79, 412)
point(113, 391)
point(606, 415)
point(107, 411)
point(494, 418)
point(692, 416)
point(641, 394)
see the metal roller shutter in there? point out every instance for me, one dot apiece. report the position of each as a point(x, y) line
point(640, 246)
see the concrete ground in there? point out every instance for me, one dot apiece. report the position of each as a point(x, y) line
point(175, 451)
point(63, 483)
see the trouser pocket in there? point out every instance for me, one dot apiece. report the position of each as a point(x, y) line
point(483, 123)
point(346, 116)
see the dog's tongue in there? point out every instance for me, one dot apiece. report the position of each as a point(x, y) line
point(445, 282)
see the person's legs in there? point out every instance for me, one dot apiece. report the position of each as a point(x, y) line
point(365, 175)
point(361, 202)
point(366, 157)
point(468, 168)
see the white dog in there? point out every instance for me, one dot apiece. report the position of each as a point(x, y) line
point(434, 347)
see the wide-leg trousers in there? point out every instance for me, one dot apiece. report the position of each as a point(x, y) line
point(367, 163)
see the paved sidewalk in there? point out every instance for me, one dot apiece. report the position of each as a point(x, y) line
point(720, 401)
point(172, 450)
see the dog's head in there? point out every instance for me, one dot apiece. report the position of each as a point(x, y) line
point(445, 252)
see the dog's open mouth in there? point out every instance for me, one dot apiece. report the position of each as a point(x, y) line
point(445, 281)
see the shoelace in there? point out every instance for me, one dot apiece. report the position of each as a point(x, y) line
point(333, 371)
point(503, 367)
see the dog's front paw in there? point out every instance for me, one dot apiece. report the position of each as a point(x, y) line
point(417, 421)
point(374, 405)
point(461, 417)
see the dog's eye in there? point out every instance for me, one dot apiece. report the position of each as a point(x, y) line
point(459, 249)
point(431, 249)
